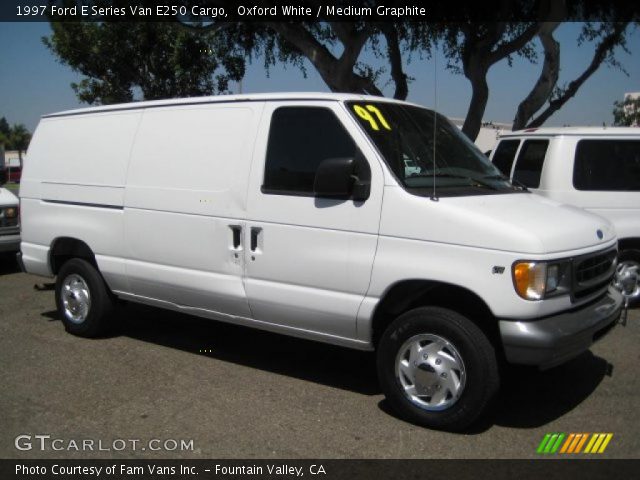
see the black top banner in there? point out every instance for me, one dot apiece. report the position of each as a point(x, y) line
point(215, 11)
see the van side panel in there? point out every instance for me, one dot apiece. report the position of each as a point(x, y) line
point(82, 158)
point(186, 189)
point(73, 186)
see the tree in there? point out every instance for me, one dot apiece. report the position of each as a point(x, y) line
point(627, 112)
point(332, 47)
point(4, 127)
point(607, 37)
point(478, 47)
point(123, 60)
point(15, 137)
point(471, 48)
point(19, 139)
point(163, 60)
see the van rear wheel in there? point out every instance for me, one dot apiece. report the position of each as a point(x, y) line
point(437, 368)
point(82, 298)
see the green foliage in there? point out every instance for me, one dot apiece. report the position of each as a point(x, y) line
point(627, 113)
point(15, 137)
point(124, 61)
point(4, 126)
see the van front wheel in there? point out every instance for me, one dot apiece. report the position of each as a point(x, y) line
point(437, 368)
point(627, 277)
point(82, 298)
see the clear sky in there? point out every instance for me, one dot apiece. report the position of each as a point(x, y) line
point(33, 83)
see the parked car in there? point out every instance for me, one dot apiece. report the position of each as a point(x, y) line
point(13, 174)
point(9, 222)
point(295, 213)
point(12, 168)
point(597, 169)
point(411, 168)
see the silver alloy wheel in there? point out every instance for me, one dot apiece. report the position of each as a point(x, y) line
point(627, 279)
point(431, 372)
point(76, 298)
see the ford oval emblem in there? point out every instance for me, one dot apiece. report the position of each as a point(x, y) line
point(599, 234)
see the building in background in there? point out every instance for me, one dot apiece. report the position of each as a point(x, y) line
point(488, 134)
point(631, 109)
point(11, 165)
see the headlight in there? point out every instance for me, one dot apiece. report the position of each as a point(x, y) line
point(11, 212)
point(537, 280)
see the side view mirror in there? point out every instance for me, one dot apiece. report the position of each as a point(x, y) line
point(338, 178)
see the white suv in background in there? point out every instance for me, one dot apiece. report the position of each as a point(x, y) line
point(597, 169)
point(9, 222)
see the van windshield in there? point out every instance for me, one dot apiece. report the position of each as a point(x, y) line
point(404, 136)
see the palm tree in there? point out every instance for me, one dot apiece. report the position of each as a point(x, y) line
point(19, 139)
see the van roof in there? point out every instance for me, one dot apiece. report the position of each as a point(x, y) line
point(580, 131)
point(250, 97)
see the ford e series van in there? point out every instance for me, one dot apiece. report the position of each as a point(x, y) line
point(354, 220)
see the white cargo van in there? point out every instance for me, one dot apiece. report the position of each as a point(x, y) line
point(595, 168)
point(296, 213)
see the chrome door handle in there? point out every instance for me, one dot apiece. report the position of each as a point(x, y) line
point(236, 236)
point(255, 231)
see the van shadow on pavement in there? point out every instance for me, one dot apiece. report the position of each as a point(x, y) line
point(8, 264)
point(528, 398)
point(337, 367)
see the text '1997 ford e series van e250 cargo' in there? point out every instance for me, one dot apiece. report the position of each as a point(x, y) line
point(353, 220)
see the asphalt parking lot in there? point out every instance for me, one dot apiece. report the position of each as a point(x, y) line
point(241, 393)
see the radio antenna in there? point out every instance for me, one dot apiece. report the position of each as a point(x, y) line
point(434, 197)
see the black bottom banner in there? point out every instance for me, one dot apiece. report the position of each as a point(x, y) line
point(543, 469)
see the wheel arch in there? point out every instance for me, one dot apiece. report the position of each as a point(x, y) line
point(408, 294)
point(66, 248)
point(629, 243)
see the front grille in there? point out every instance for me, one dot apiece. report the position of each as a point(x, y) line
point(593, 272)
point(7, 222)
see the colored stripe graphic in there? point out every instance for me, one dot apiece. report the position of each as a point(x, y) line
point(573, 443)
point(543, 443)
point(581, 442)
point(555, 447)
point(598, 442)
point(550, 443)
point(605, 443)
point(568, 442)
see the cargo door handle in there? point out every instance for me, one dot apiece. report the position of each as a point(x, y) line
point(255, 233)
point(236, 236)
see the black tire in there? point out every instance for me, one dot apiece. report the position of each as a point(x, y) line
point(97, 321)
point(630, 256)
point(473, 347)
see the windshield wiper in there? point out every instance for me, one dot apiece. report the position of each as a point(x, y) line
point(497, 176)
point(473, 180)
point(520, 185)
point(515, 183)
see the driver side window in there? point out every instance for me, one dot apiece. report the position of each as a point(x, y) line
point(300, 138)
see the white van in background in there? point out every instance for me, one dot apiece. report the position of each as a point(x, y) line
point(323, 216)
point(597, 169)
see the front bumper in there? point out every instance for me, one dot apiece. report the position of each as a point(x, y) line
point(553, 340)
point(9, 243)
